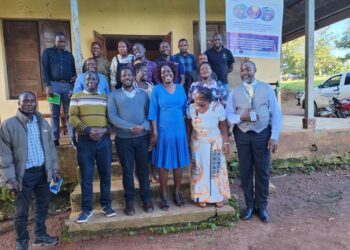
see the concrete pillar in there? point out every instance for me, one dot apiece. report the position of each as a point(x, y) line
point(76, 32)
point(309, 120)
point(202, 26)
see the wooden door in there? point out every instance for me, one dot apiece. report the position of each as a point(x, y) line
point(22, 57)
point(169, 39)
point(101, 40)
point(48, 29)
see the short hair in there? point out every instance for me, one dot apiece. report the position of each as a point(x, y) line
point(138, 43)
point(206, 93)
point(93, 72)
point(203, 64)
point(127, 43)
point(251, 62)
point(26, 92)
point(163, 41)
point(217, 34)
point(138, 66)
point(91, 59)
point(58, 34)
point(160, 65)
point(95, 43)
point(182, 40)
point(127, 68)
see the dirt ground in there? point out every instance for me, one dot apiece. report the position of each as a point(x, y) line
point(289, 104)
point(308, 211)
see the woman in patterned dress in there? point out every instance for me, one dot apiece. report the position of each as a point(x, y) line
point(209, 146)
point(218, 90)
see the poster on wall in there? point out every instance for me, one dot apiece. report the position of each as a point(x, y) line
point(254, 28)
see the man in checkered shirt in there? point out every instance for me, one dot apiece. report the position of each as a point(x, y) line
point(188, 61)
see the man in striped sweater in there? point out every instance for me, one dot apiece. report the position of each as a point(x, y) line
point(88, 115)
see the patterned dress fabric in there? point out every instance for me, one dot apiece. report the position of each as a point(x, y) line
point(209, 177)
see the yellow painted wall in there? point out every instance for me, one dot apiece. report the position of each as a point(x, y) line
point(134, 17)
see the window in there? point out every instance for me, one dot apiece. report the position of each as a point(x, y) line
point(212, 28)
point(347, 79)
point(24, 43)
point(332, 82)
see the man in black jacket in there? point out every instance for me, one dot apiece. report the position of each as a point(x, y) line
point(59, 77)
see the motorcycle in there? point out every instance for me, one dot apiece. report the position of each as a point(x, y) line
point(337, 108)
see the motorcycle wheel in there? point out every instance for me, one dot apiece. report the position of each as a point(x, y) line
point(340, 114)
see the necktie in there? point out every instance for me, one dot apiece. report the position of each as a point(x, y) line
point(250, 90)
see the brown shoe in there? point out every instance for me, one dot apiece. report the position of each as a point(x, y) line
point(148, 207)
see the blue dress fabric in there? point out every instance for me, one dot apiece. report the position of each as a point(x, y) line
point(169, 109)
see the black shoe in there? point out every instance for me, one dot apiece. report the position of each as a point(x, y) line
point(57, 143)
point(129, 209)
point(264, 216)
point(46, 240)
point(248, 214)
point(178, 199)
point(148, 206)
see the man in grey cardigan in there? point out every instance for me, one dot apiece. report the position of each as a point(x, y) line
point(28, 163)
point(128, 111)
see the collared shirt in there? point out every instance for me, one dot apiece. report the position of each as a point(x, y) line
point(149, 89)
point(220, 62)
point(57, 65)
point(189, 63)
point(129, 94)
point(275, 113)
point(35, 156)
point(103, 86)
point(179, 67)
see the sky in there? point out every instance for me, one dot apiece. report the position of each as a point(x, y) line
point(338, 30)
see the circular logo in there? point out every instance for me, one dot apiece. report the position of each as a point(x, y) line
point(267, 14)
point(240, 11)
point(254, 12)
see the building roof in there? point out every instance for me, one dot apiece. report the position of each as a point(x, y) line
point(326, 13)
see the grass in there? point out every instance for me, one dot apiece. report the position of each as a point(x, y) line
point(300, 83)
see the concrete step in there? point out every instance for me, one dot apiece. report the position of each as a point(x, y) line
point(116, 172)
point(117, 193)
point(175, 215)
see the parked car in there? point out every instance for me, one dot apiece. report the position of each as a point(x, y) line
point(289, 76)
point(336, 86)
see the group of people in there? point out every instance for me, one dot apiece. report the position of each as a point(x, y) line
point(167, 115)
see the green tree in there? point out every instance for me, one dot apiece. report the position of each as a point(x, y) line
point(293, 56)
point(344, 43)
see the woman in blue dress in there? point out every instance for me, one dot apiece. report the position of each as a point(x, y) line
point(167, 113)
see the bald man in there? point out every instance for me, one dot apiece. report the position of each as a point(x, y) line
point(253, 109)
point(28, 163)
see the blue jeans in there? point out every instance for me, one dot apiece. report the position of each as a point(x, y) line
point(89, 153)
point(134, 152)
point(63, 90)
point(34, 182)
point(254, 156)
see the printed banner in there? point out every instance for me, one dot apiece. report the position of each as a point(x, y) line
point(254, 27)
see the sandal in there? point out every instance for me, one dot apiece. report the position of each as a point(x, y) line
point(164, 203)
point(178, 199)
point(219, 204)
point(202, 204)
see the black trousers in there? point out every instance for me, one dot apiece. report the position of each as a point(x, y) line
point(34, 182)
point(254, 156)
